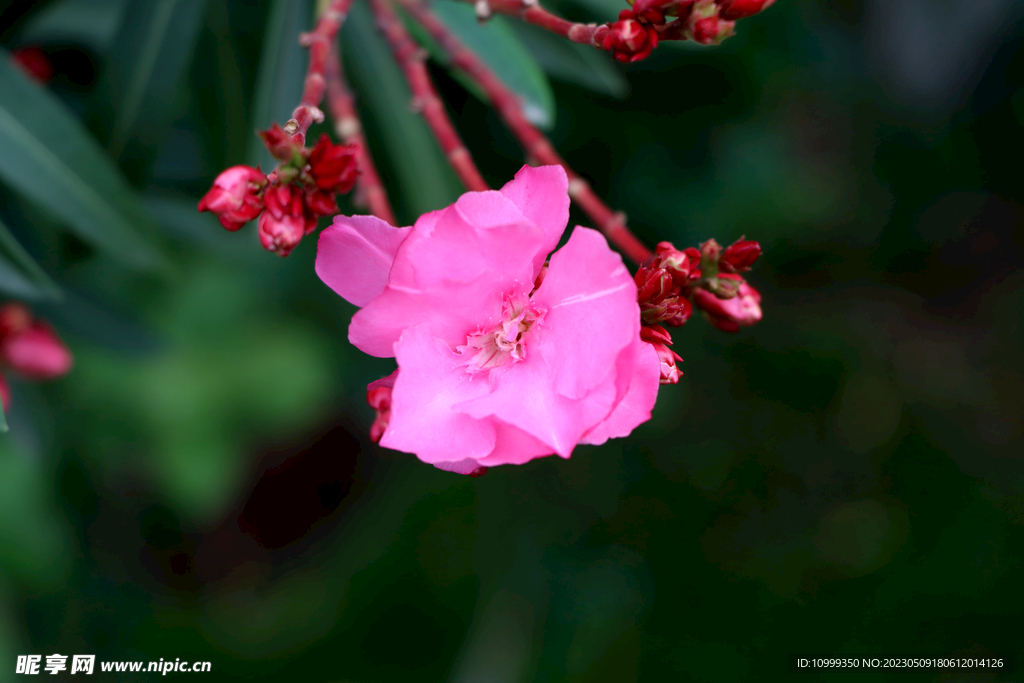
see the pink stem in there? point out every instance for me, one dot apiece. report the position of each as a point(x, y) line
point(537, 147)
point(412, 59)
point(319, 42)
point(348, 127)
point(531, 12)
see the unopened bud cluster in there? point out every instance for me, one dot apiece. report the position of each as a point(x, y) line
point(290, 199)
point(707, 22)
point(708, 278)
point(30, 348)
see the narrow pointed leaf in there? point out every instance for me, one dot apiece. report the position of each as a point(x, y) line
point(497, 45)
point(282, 71)
point(50, 157)
point(147, 62)
point(425, 180)
point(20, 275)
point(178, 216)
point(92, 23)
point(573, 63)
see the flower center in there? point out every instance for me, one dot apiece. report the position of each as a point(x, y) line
point(504, 343)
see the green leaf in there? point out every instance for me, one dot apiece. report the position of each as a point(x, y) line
point(573, 63)
point(85, 316)
point(92, 23)
point(3, 421)
point(425, 180)
point(600, 11)
point(147, 63)
point(50, 157)
point(496, 44)
point(20, 275)
point(183, 221)
point(282, 72)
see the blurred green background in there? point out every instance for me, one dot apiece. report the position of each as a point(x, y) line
point(844, 477)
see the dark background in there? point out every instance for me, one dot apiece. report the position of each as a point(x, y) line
point(844, 477)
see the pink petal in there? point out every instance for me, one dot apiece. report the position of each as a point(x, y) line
point(592, 314)
point(453, 273)
point(481, 232)
point(432, 379)
point(635, 407)
point(354, 256)
point(542, 194)
point(403, 271)
point(451, 313)
point(461, 467)
point(514, 447)
point(523, 397)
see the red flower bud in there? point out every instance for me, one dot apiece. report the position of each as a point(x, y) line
point(739, 9)
point(670, 372)
point(630, 40)
point(235, 197)
point(677, 263)
point(725, 286)
point(285, 220)
point(659, 338)
point(739, 256)
point(281, 145)
point(729, 315)
point(321, 202)
point(29, 347)
point(642, 7)
point(704, 25)
point(653, 284)
point(658, 296)
point(674, 309)
point(681, 312)
point(333, 167)
point(34, 62)
point(36, 352)
point(655, 334)
point(710, 251)
point(694, 255)
point(380, 400)
point(15, 318)
point(378, 396)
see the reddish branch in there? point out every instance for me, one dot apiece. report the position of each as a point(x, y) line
point(412, 59)
point(531, 12)
point(537, 147)
point(369, 189)
point(319, 42)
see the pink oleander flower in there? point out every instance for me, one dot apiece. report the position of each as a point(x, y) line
point(730, 314)
point(37, 353)
point(235, 196)
point(30, 347)
point(493, 368)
